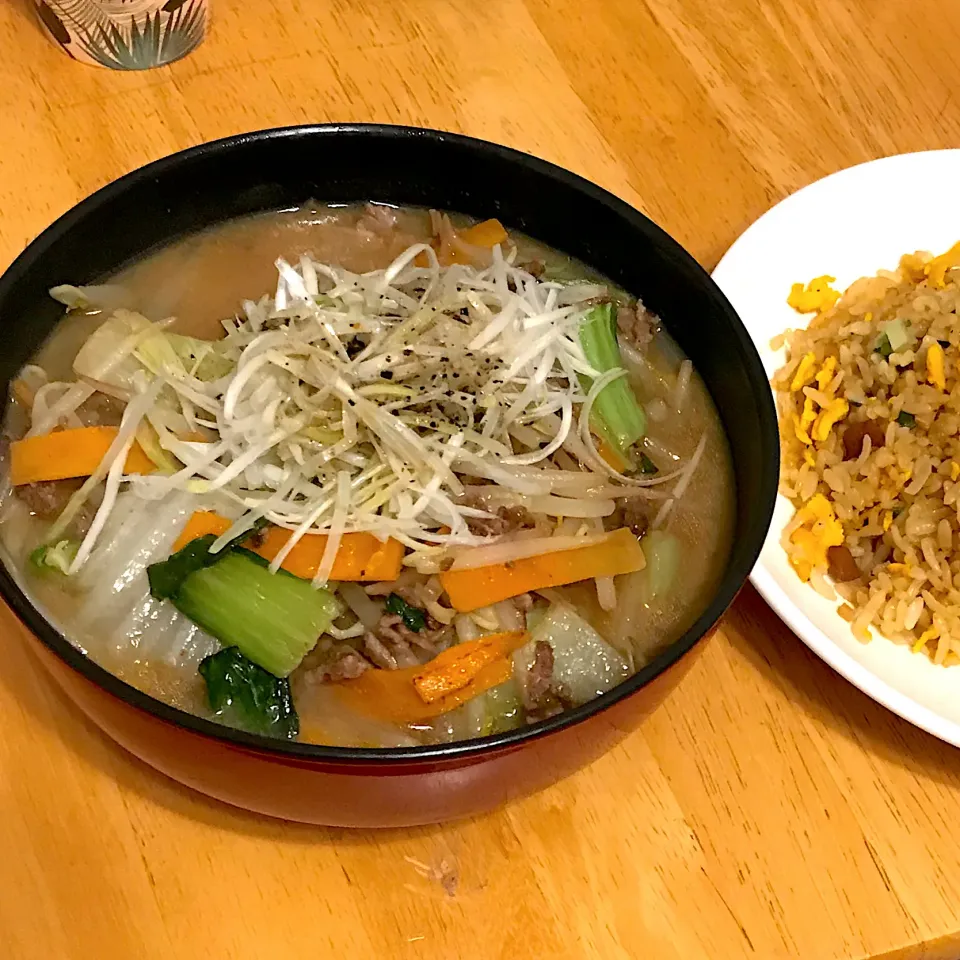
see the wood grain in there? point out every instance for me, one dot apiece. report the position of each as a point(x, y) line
point(767, 809)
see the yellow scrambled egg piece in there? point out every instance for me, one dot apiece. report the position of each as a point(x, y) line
point(887, 520)
point(805, 372)
point(826, 372)
point(954, 469)
point(801, 426)
point(820, 530)
point(899, 568)
point(931, 633)
point(829, 417)
point(936, 269)
point(935, 374)
point(817, 296)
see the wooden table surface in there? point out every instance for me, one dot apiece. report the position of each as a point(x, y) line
point(768, 809)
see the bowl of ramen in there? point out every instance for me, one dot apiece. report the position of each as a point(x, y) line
point(369, 475)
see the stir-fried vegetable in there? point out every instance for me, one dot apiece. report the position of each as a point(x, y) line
point(274, 619)
point(413, 617)
point(454, 668)
point(245, 695)
point(56, 556)
point(662, 552)
point(69, 453)
point(453, 677)
point(360, 556)
point(585, 665)
point(502, 708)
point(620, 414)
point(613, 555)
point(454, 428)
point(141, 344)
point(455, 246)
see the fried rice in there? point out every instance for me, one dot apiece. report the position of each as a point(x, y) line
point(869, 404)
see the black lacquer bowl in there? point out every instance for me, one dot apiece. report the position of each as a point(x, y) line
point(275, 169)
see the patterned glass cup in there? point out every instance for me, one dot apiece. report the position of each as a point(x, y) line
point(125, 34)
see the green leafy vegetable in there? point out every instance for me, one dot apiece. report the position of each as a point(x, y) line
point(647, 466)
point(616, 406)
point(883, 346)
point(167, 576)
point(57, 556)
point(275, 619)
point(244, 695)
point(906, 419)
point(897, 334)
point(413, 618)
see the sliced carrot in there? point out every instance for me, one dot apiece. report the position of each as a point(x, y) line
point(360, 556)
point(479, 587)
point(457, 666)
point(487, 234)
point(69, 453)
point(392, 695)
point(201, 524)
point(611, 456)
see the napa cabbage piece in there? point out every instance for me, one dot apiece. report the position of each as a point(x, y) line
point(584, 664)
point(662, 552)
point(143, 345)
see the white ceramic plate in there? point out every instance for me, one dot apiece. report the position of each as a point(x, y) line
point(848, 225)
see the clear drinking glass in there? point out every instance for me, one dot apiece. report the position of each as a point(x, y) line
point(125, 34)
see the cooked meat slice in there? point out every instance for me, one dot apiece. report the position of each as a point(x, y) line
point(348, 665)
point(637, 325)
point(536, 268)
point(855, 434)
point(377, 651)
point(433, 638)
point(542, 697)
point(502, 519)
point(378, 218)
point(628, 513)
point(843, 567)
point(333, 661)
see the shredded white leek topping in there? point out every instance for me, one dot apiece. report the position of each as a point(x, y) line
point(357, 402)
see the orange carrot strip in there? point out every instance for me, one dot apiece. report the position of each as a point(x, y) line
point(201, 524)
point(481, 586)
point(457, 666)
point(392, 695)
point(69, 453)
point(487, 233)
point(612, 456)
point(361, 556)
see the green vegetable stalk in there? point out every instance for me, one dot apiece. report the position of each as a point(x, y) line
point(274, 619)
point(616, 406)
